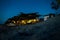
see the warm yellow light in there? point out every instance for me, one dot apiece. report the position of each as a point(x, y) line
point(34, 20)
point(23, 22)
point(17, 21)
point(13, 21)
point(26, 21)
point(29, 21)
point(37, 19)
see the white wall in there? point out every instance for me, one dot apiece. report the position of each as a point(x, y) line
point(46, 18)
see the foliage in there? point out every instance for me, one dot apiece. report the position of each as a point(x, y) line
point(58, 1)
point(55, 5)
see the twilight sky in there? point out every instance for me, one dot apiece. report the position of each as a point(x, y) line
point(10, 8)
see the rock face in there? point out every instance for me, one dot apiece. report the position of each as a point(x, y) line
point(48, 30)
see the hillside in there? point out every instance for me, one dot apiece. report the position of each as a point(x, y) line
point(48, 30)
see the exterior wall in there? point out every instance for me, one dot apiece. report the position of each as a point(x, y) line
point(46, 18)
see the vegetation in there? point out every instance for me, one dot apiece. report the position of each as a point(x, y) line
point(24, 19)
point(55, 5)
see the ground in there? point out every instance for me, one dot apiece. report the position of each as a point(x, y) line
point(48, 30)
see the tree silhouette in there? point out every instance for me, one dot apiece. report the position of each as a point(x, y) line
point(58, 1)
point(28, 15)
point(22, 16)
point(8, 21)
point(55, 5)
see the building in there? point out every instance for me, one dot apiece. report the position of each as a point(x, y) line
point(22, 19)
point(46, 17)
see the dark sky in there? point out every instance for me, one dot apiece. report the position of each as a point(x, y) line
point(9, 8)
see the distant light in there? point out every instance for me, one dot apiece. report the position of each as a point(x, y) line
point(13, 21)
point(29, 21)
point(23, 22)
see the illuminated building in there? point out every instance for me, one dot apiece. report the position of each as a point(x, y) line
point(23, 19)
